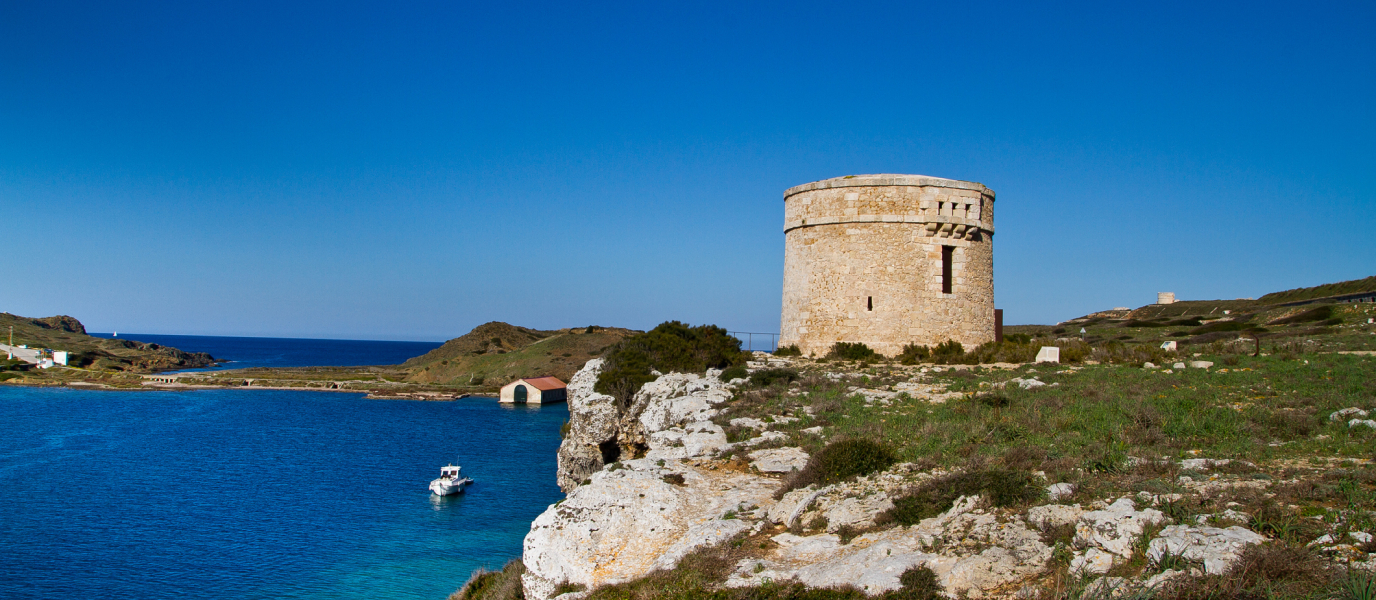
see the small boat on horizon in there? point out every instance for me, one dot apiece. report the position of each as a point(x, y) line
point(450, 481)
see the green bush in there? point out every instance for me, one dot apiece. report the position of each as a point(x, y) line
point(853, 351)
point(734, 372)
point(1000, 487)
point(789, 350)
point(672, 346)
point(1018, 338)
point(949, 352)
point(768, 377)
point(913, 354)
point(841, 460)
point(919, 583)
point(9, 376)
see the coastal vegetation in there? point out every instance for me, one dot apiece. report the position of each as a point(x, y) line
point(495, 353)
point(670, 346)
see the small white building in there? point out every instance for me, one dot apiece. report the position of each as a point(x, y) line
point(1165, 297)
point(60, 357)
point(535, 390)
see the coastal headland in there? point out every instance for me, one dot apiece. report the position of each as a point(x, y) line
point(1202, 449)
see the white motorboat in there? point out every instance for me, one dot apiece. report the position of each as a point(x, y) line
point(450, 481)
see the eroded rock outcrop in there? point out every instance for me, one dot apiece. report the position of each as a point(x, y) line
point(669, 415)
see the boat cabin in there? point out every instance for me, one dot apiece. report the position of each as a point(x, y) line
point(449, 472)
point(535, 390)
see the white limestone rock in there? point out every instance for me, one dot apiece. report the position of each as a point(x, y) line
point(629, 521)
point(970, 551)
point(1343, 414)
point(1200, 364)
point(593, 421)
point(1116, 527)
point(1092, 561)
point(1216, 548)
point(793, 505)
point(1359, 422)
point(694, 440)
point(768, 436)
point(779, 460)
point(1060, 491)
point(749, 422)
point(856, 511)
point(678, 398)
point(1054, 515)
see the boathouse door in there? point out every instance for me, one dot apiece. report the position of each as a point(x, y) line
point(520, 393)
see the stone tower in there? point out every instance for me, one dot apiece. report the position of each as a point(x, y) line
point(888, 260)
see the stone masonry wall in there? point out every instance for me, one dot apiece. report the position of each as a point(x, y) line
point(863, 263)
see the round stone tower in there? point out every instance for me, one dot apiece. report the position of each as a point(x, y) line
point(888, 260)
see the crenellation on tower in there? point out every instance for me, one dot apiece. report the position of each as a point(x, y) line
point(887, 260)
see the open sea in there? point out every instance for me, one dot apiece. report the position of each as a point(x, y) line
point(263, 493)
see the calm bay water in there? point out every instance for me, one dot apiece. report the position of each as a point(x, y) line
point(261, 494)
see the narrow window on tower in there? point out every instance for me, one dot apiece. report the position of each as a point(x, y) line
point(947, 252)
point(869, 303)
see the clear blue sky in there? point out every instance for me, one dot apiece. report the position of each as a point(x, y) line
point(410, 170)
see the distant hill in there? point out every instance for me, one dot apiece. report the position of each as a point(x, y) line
point(1326, 290)
point(496, 352)
point(1217, 308)
point(66, 333)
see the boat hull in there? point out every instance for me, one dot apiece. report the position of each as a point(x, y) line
point(447, 487)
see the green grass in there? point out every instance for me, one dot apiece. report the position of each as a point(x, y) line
point(1097, 416)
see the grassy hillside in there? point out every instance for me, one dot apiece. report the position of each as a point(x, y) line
point(67, 333)
point(496, 352)
point(1321, 291)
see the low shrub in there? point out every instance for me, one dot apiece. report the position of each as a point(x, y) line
point(768, 377)
point(1219, 326)
point(919, 583)
point(1018, 338)
point(1000, 487)
point(853, 351)
point(734, 372)
point(789, 350)
point(913, 354)
point(949, 352)
point(494, 585)
point(841, 460)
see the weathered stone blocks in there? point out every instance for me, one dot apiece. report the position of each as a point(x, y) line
point(869, 258)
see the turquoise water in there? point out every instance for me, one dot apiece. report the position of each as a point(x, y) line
point(261, 494)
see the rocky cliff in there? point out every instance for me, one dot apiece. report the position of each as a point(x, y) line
point(650, 483)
